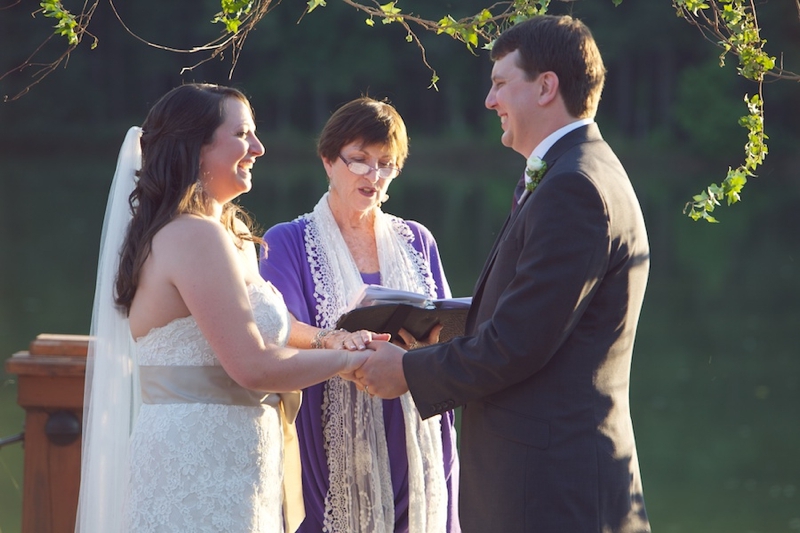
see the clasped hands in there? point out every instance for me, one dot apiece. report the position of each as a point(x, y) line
point(381, 372)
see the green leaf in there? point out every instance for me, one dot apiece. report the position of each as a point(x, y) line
point(66, 21)
point(483, 16)
point(390, 13)
point(448, 25)
point(314, 4)
point(434, 81)
point(232, 13)
point(693, 5)
point(389, 8)
point(236, 7)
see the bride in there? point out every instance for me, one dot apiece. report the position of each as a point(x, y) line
point(194, 433)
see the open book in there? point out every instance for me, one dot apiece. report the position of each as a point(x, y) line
point(384, 310)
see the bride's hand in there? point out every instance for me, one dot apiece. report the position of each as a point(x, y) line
point(358, 340)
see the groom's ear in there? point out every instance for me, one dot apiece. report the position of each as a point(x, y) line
point(548, 87)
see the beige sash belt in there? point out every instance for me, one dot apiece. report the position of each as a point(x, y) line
point(211, 384)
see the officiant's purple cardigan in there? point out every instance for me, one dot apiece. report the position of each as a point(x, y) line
point(286, 267)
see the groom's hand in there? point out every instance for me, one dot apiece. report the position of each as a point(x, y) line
point(382, 374)
point(358, 342)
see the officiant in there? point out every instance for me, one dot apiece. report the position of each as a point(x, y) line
point(319, 261)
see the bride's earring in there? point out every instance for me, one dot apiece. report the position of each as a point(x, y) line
point(200, 191)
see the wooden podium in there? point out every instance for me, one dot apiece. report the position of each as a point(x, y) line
point(50, 377)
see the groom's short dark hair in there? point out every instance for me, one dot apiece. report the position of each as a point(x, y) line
point(565, 46)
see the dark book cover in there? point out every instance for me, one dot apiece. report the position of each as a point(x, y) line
point(419, 321)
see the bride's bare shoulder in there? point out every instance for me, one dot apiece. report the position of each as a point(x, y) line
point(190, 233)
point(190, 226)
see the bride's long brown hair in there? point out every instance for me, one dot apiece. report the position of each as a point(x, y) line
point(176, 128)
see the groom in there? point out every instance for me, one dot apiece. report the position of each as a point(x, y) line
point(543, 372)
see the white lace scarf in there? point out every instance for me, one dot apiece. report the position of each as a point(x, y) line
point(360, 498)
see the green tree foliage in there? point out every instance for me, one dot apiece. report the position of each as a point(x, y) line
point(733, 25)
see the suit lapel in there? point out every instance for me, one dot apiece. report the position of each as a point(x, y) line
point(487, 266)
point(577, 136)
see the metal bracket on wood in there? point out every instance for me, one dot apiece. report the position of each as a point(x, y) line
point(12, 439)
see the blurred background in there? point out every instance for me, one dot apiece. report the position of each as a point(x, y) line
point(716, 368)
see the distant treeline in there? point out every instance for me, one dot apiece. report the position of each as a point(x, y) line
point(663, 77)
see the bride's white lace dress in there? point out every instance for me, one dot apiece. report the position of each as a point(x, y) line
point(199, 467)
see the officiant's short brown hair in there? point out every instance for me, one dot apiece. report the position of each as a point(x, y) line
point(371, 121)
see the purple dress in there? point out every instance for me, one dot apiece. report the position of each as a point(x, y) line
point(287, 268)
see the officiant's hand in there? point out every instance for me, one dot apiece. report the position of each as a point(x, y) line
point(407, 341)
point(356, 340)
point(382, 374)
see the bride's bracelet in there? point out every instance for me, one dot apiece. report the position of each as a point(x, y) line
point(318, 341)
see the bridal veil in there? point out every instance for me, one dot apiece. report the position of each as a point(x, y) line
point(111, 397)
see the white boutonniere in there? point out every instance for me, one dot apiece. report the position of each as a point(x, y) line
point(534, 170)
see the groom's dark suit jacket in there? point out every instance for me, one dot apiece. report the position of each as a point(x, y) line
point(547, 442)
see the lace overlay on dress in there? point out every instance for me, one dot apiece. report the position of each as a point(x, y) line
point(207, 467)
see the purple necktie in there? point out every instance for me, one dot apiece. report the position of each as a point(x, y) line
point(518, 190)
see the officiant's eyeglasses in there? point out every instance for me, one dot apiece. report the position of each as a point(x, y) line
point(362, 169)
